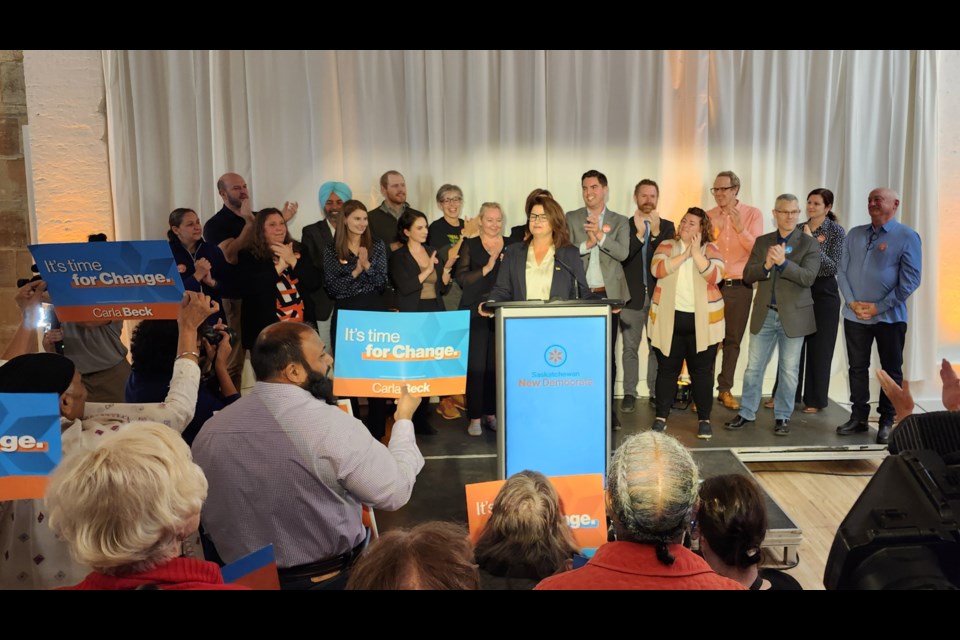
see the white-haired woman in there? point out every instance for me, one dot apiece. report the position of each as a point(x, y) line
point(125, 507)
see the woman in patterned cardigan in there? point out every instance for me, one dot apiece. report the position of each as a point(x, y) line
point(686, 315)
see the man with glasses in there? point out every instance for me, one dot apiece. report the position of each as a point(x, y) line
point(879, 269)
point(785, 264)
point(603, 237)
point(736, 227)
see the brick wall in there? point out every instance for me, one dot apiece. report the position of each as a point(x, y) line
point(15, 260)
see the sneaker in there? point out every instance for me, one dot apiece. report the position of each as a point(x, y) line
point(489, 422)
point(628, 404)
point(475, 429)
point(659, 425)
point(704, 432)
point(726, 399)
point(781, 427)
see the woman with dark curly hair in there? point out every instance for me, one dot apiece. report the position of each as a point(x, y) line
point(686, 315)
point(277, 275)
point(153, 349)
point(731, 524)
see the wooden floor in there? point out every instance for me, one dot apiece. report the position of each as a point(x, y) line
point(816, 496)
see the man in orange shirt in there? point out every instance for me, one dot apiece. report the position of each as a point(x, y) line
point(736, 227)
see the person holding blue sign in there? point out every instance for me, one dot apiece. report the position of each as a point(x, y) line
point(355, 273)
point(420, 280)
point(31, 556)
point(278, 275)
point(196, 259)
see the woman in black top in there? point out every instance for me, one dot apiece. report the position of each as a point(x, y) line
point(477, 269)
point(355, 273)
point(420, 280)
point(731, 524)
point(277, 275)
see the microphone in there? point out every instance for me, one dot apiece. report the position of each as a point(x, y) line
point(576, 281)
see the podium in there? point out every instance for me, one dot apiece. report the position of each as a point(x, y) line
point(553, 386)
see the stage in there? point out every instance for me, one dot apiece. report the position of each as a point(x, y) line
point(454, 459)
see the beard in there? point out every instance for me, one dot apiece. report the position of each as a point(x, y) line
point(645, 209)
point(320, 385)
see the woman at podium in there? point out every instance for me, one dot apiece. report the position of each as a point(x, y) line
point(686, 316)
point(545, 266)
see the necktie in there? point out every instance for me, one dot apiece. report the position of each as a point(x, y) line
point(643, 253)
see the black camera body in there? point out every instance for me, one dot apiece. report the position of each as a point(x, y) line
point(214, 337)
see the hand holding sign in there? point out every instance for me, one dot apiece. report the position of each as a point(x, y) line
point(406, 404)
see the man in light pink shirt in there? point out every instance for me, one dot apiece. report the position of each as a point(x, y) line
point(736, 227)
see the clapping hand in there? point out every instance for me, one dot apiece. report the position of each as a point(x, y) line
point(201, 269)
point(951, 386)
point(471, 227)
point(289, 210)
point(899, 396)
point(363, 258)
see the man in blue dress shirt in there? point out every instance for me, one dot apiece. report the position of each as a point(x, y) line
point(879, 269)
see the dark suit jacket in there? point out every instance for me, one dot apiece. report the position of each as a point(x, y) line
point(631, 264)
point(512, 279)
point(316, 237)
point(794, 300)
point(405, 275)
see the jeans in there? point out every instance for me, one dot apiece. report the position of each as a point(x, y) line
point(633, 323)
point(761, 350)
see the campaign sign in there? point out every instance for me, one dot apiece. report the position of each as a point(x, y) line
point(257, 570)
point(378, 352)
point(581, 499)
point(29, 443)
point(87, 281)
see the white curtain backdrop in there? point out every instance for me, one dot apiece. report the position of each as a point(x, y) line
point(499, 123)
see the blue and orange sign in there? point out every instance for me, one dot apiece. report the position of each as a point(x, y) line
point(377, 353)
point(87, 281)
point(29, 443)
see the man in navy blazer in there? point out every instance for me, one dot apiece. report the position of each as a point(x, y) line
point(603, 237)
point(785, 264)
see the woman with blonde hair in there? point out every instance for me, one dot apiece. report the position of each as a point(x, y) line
point(527, 538)
point(125, 506)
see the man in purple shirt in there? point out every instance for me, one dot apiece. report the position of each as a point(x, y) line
point(879, 269)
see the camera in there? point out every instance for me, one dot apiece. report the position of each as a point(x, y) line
point(214, 337)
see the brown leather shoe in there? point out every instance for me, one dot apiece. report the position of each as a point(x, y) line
point(446, 409)
point(726, 399)
point(768, 403)
point(459, 401)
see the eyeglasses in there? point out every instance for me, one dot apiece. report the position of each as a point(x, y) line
point(453, 200)
point(873, 238)
point(715, 190)
point(794, 212)
point(538, 216)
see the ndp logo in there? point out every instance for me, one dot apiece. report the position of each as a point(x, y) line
point(555, 355)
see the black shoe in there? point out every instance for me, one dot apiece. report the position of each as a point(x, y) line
point(425, 429)
point(883, 433)
point(781, 427)
point(659, 425)
point(852, 426)
point(704, 432)
point(737, 423)
point(653, 401)
point(628, 404)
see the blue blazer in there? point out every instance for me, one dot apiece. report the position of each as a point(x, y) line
point(512, 279)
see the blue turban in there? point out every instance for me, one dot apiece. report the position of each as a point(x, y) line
point(339, 188)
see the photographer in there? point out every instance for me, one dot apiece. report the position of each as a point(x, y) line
point(154, 351)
